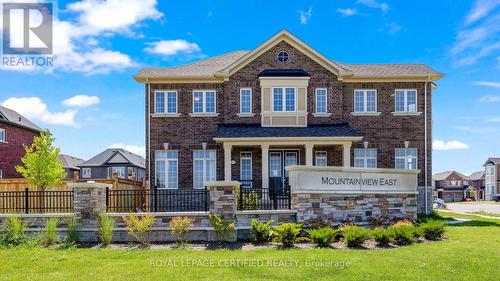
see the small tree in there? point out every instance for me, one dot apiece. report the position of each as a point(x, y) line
point(41, 166)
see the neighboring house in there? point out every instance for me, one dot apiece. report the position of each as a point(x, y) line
point(70, 164)
point(15, 131)
point(246, 115)
point(450, 185)
point(492, 177)
point(477, 181)
point(125, 164)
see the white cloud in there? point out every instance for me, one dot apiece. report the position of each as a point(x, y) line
point(172, 47)
point(81, 101)
point(390, 28)
point(374, 4)
point(34, 108)
point(449, 145)
point(305, 15)
point(137, 149)
point(347, 12)
point(489, 99)
point(487, 84)
point(481, 9)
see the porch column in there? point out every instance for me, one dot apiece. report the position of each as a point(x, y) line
point(309, 154)
point(347, 155)
point(265, 165)
point(227, 161)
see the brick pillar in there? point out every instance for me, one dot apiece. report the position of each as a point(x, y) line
point(222, 198)
point(89, 200)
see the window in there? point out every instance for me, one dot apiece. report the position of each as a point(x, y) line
point(284, 99)
point(365, 101)
point(320, 158)
point(365, 158)
point(246, 100)
point(246, 169)
point(130, 172)
point(165, 102)
point(166, 168)
point(406, 101)
point(2, 135)
point(406, 158)
point(321, 101)
point(120, 172)
point(86, 173)
point(204, 167)
point(283, 56)
point(204, 102)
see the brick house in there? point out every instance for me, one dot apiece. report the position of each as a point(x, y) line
point(245, 115)
point(477, 180)
point(125, 164)
point(450, 185)
point(15, 130)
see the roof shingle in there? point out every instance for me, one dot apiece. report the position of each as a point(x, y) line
point(10, 116)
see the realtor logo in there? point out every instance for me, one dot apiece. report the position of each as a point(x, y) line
point(27, 28)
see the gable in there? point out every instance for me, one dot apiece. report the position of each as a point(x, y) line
point(117, 159)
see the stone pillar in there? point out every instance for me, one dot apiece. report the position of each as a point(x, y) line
point(347, 155)
point(227, 161)
point(265, 165)
point(222, 198)
point(89, 200)
point(309, 154)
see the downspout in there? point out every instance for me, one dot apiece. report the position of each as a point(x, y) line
point(148, 140)
point(425, 144)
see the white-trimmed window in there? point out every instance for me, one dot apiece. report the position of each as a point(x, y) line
point(165, 102)
point(284, 99)
point(406, 101)
point(166, 169)
point(320, 158)
point(86, 173)
point(2, 135)
point(365, 158)
point(365, 100)
point(120, 172)
point(406, 158)
point(204, 167)
point(204, 101)
point(321, 97)
point(245, 100)
point(246, 168)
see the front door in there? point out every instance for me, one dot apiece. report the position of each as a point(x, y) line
point(278, 176)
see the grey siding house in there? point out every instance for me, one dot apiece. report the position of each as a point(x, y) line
point(70, 164)
point(125, 164)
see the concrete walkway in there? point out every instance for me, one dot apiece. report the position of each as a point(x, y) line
point(468, 214)
point(471, 207)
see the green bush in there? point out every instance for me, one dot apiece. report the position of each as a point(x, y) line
point(49, 236)
point(261, 231)
point(355, 236)
point(382, 236)
point(322, 237)
point(223, 228)
point(433, 230)
point(286, 234)
point(139, 226)
point(14, 231)
point(73, 237)
point(180, 227)
point(106, 225)
point(403, 233)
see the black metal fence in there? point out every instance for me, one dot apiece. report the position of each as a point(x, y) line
point(264, 199)
point(35, 201)
point(157, 200)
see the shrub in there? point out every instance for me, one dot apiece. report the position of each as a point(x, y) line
point(403, 233)
point(378, 221)
point(138, 226)
point(73, 236)
point(222, 227)
point(287, 233)
point(14, 231)
point(180, 227)
point(49, 235)
point(433, 230)
point(355, 236)
point(323, 236)
point(261, 231)
point(250, 200)
point(382, 236)
point(106, 225)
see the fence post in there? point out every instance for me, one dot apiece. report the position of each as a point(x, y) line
point(26, 201)
point(206, 199)
point(240, 203)
point(107, 198)
point(275, 199)
point(156, 198)
point(289, 197)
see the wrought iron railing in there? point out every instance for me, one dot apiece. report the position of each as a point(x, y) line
point(36, 201)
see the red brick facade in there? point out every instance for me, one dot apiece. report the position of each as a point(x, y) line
point(384, 132)
point(12, 150)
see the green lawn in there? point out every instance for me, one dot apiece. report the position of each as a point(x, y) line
point(471, 252)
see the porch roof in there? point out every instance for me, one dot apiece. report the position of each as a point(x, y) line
point(312, 130)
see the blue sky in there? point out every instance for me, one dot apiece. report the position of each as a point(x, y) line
point(89, 100)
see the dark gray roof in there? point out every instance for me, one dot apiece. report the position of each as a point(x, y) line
point(283, 73)
point(257, 131)
point(12, 117)
point(70, 162)
point(102, 158)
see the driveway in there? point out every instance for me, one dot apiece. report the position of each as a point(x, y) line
point(470, 207)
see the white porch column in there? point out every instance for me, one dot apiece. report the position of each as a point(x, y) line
point(309, 154)
point(227, 161)
point(347, 155)
point(265, 165)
